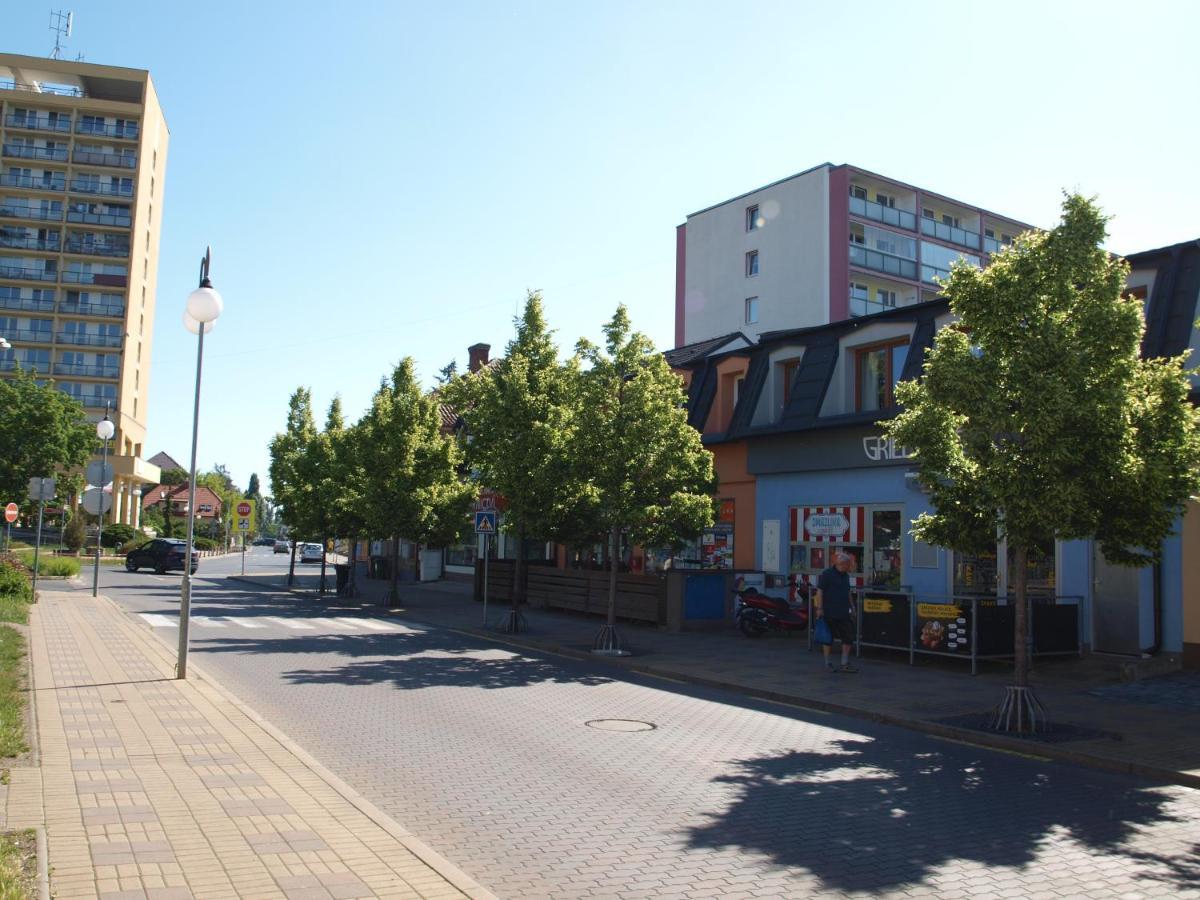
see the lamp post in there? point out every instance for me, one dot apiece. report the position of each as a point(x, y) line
point(203, 307)
point(104, 430)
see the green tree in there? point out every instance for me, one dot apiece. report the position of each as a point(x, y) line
point(252, 489)
point(412, 488)
point(645, 469)
point(448, 372)
point(42, 432)
point(1036, 417)
point(75, 532)
point(520, 415)
point(292, 493)
point(174, 477)
point(319, 467)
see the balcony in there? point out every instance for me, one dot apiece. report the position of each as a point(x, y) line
point(26, 273)
point(929, 273)
point(880, 213)
point(28, 151)
point(950, 233)
point(77, 339)
point(27, 304)
point(38, 123)
point(108, 190)
point(127, 130)
point(10, 179)
point(882, 262)
point(25, 211)
point(100, 158)
point(91, 218)
point(28, 242)
point(29, 365)
point(99, 310)
point(108, 279)
point(41, 87)
point(97, 248)
point(87, 371)
point(31, 337)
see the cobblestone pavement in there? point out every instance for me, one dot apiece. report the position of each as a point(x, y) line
point(488, 756)
point(1179, 690)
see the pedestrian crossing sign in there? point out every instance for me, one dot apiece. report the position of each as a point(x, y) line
point(485, 521)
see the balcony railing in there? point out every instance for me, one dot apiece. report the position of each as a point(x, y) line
point(111, 189)
point(100, 158)
point(37, 123)
point(87, 371)
point(129, 130)
point(28, 151)
point(944, 232)
point(32, 337)
point(882, 262)
point(27, 304)
point(107, 310)
point(97, 248)
point(929, 273)
point(88, 340)
point(32, 212)
point(110, 279)
point(91, 218)
point(27, 273)
point(29, 365)
point(61, 90)
point(880, 213)
point(860, 306)
point(27, 242)
point(991, 245)
point(11, 179)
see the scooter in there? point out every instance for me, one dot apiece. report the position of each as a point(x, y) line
point(755, 613)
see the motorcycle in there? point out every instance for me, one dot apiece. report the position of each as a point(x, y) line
point(755, 613)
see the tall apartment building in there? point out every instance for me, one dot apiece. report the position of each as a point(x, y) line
point(827, 244)
point(83, 151)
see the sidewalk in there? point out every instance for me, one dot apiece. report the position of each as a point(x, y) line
point(1102, 725)
point(151, 787)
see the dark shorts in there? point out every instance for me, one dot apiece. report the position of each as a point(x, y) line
point(841, 629)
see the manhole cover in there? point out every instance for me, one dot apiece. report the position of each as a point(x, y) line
point(620, 725)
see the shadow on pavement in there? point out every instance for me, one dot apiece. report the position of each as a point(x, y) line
point(871, 815)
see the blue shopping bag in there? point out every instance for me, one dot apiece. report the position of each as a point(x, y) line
point(821, 632)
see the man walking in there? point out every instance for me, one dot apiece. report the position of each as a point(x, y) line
point(832, 603)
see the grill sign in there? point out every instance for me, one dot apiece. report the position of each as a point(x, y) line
point(827, 524)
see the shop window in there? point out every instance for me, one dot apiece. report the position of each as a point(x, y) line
point(877, 369)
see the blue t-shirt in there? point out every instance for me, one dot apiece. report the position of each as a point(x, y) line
point(835, 593)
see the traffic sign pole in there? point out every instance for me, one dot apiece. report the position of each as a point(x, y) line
point(486, 540)
point(37, 544)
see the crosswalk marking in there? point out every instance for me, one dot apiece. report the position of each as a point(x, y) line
point(367, 623)
point(212, 621)
point(243, 621)
point(340, 623)
point(160, 621)
point(290, 623)
point(333, 623)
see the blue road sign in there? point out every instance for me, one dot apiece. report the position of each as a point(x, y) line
point(485, 521)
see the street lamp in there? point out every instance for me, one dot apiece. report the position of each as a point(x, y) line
point(105, 429)
point(204, 306)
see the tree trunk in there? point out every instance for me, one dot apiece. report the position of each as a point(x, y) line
point(324, 544)
point(520, 571)
point(614, 541)
point(292, 567)
point(394, 593)
point(1021, 618)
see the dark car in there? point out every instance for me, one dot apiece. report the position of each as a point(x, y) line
point(161, 555)
point(264, 542)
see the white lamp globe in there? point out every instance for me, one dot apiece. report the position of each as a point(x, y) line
point(105, 429)
point(193, 326)
point(204, 304)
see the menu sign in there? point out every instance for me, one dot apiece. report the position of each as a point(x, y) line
point(884, 618)
point(943, 628)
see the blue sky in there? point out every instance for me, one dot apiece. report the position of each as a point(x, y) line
point(387, 179)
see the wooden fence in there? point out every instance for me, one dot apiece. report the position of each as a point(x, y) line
point(641, 598)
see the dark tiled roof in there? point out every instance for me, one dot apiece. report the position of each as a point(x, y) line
point(689, 354)
point(1171, 312)
point(164, 461)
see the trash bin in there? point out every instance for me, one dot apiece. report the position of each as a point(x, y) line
point(343, 576)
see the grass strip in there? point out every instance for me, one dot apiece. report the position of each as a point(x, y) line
point(12, 697)
point(18, 865)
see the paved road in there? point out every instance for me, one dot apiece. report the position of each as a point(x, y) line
point(489, 756)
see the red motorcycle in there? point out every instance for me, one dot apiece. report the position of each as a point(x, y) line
point(755, 613)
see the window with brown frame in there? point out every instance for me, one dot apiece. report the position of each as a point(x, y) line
point(790, 368)
point(877, 368)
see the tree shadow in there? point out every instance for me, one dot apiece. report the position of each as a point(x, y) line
point(873, 814)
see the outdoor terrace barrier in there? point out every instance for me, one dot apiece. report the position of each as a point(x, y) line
point(641, 598)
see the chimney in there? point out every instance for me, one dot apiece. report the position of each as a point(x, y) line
point(479, 356)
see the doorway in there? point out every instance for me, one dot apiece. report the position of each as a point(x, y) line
point(1115, 607)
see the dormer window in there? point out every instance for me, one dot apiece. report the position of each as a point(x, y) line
point(877, 369)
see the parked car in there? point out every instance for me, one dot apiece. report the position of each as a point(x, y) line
point(161, 555)
point(311, 553)
point(264, 542)
point(283, 547)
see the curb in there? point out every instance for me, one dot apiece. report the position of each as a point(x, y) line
point(967, 736)
point(43, 863)
point(434, 860)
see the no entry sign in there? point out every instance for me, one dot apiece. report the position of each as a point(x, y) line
point(10, 512)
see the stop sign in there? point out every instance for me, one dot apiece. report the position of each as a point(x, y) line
point(10, 512)
point(243, 508)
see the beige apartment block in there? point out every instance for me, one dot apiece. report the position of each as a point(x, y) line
point(83, 153)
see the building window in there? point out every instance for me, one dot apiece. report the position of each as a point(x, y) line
point(952, 221)
point(877, 369)
point(927, 213)
point(858, 193)
point(752, 220)
point(790, 368)
point(751, 263)
point(885, 200)
point(885, 298)
point(751, 310)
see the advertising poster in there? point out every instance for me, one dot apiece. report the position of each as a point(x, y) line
point(884, 618)
point(943, 628)
point(717, 548)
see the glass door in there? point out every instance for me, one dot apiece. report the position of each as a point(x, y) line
point(885, 567)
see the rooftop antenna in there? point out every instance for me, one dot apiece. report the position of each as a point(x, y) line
point(60, 24)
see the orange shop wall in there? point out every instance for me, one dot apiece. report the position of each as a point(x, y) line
point(736, 484)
